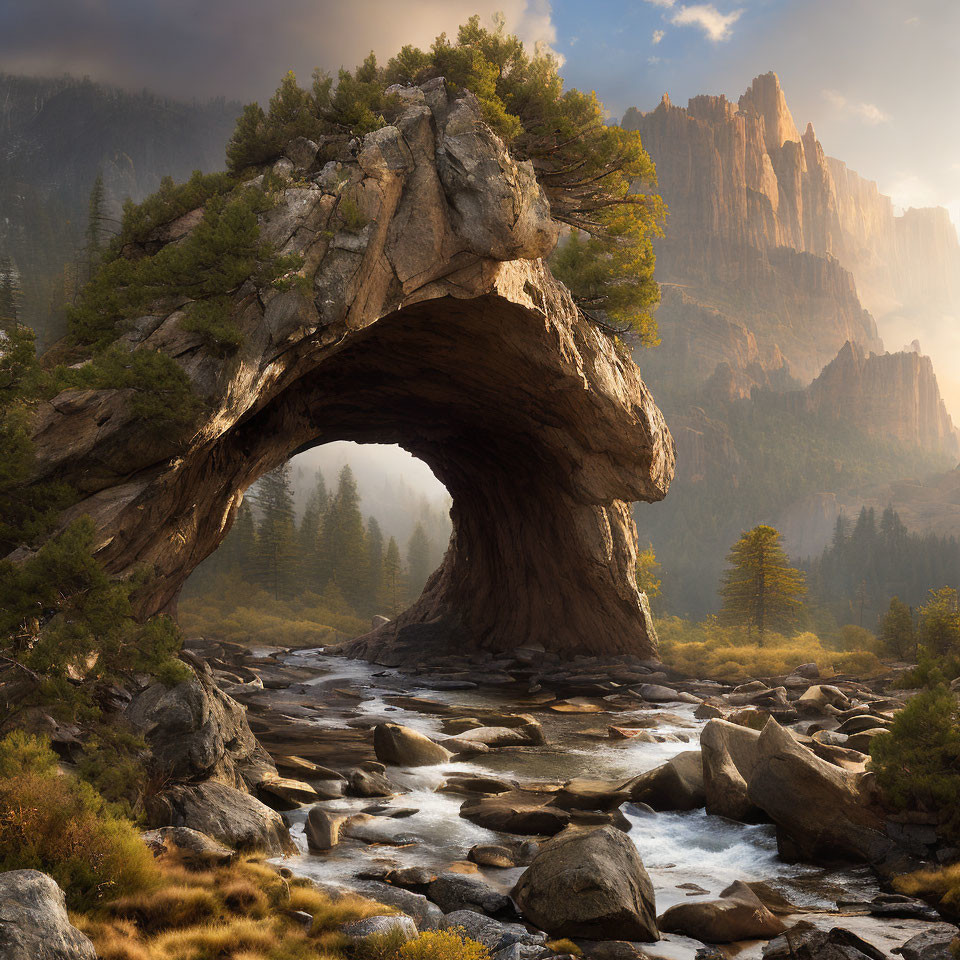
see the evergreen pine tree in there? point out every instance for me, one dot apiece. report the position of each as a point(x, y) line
point(394, 586)
point(9, 294)
point(761, 590)
point(374, 563)
point(343, 540)
point(93, 239)
point(244, 537)
point(896, 630)
point(418, 560)
point(276, 534)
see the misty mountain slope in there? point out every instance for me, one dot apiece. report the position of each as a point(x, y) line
point(57, 135)
point(771, 372)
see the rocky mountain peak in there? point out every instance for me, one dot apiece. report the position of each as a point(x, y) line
point(765, 99)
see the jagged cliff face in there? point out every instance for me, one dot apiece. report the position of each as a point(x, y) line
point(436, 326)
point(744, 186)
point(749, 176)
point(895, 394)
point(752, 236)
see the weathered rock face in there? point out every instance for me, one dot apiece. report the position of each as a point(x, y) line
point(823, 813)
point(893, 393)
point(436, 326)
point(196, 732)
point(33, 920)
point(224, 813)
point(744, 173)
point(589, 884)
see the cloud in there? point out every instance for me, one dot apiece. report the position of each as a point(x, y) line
point(657, 37)
point(868, 112)
point(662, 3)
point(234, 48)
point(715, 25)
point(908, 189)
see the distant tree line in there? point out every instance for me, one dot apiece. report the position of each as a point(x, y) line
point(870, 561)
point(330, 550)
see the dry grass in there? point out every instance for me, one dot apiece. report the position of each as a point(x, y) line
point(942, 882)
point(709, 651)
point(239, 912)
point(252, 617)
point(173, 906)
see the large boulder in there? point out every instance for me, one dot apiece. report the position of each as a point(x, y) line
point(196, 848)
point(932, 944)
point(463, 891)
point(804, 941)
point(823, 813)
point(196, 732)
point(403, 747)
point(589, 883)
point(729, 758)
point(674, 785)
point(223, 812)
point(426, 915)
point(33, 920)
point(517, 811)
point(738, 914)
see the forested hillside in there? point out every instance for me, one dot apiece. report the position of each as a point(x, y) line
point(58, 136)
point(304, 564)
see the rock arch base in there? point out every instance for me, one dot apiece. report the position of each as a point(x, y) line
point(436, 326)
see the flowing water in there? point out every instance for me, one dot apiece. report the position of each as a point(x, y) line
point(678, 849)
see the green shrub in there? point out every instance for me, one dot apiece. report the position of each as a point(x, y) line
point(171, 201)
point(221, 252)
point(58, 824)
point(163, 399)
point(379, 946)
point(917, 764)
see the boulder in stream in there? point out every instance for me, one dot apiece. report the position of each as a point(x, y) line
point(674, 785)
point(823, 813)
point(804, 941)
point(404, 747)
point(589, 883)
point(737, 914)
point(729, 758)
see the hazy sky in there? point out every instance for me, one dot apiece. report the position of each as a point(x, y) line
point(878, 78)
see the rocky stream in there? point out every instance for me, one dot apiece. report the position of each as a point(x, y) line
point(530, 746)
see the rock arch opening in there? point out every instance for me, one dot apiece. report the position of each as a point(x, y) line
point(342, 536)
point(540, 475)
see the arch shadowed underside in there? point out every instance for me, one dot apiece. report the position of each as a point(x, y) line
point(543, 546)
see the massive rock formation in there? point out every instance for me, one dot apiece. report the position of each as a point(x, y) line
point(435, 325)
point(892, 394)
point(769, 232)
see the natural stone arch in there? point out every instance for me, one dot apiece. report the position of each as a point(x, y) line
point(438, 327)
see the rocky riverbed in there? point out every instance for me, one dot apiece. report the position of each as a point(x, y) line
point(530, 747)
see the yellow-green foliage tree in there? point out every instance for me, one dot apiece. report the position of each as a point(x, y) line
point(939, 633)
point(598, 177)
point(761, 590)
point(647, 569)
point(896, 630)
